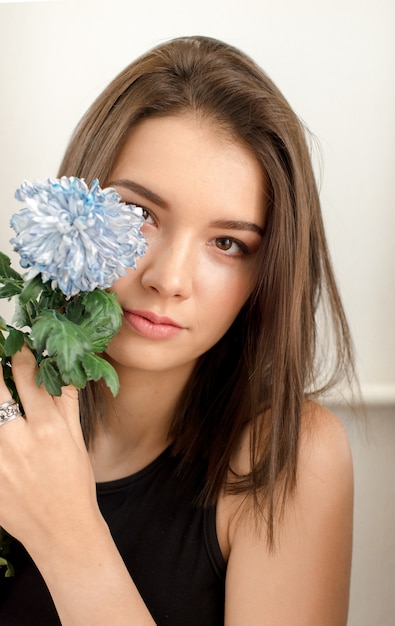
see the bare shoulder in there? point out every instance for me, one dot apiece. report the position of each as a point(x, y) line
point(324, 444)
point(305, 580)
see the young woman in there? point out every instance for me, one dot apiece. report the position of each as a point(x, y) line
point(212, 489)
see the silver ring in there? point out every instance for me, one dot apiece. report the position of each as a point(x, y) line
point(9, 411)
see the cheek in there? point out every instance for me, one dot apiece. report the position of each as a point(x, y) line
point(222, 301)
point(230, 285)
point(122, 285)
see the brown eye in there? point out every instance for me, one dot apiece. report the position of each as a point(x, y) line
point(230, 246)
point(223, 243)
point(147, 216)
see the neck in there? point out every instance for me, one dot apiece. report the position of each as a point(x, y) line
point(137, 428)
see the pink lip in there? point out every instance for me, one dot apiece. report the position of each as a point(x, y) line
point(151, 325)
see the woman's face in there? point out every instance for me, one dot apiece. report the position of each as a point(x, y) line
point(202, 195)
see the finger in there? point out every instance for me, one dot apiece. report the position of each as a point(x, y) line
point(4, 391)
point(34, 399)
point(37, 402)
point(9, 410)
point(68, 406)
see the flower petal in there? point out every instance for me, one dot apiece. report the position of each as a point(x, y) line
point(79, 238)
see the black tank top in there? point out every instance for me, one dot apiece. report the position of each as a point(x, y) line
point(168, 543)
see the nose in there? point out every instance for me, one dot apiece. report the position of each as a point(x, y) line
point(168, 267)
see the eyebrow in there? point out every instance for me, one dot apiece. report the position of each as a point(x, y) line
point(151, 196)
point(238, 225)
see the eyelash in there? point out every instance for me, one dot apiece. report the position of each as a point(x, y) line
point(147, 214)
point(243, 249)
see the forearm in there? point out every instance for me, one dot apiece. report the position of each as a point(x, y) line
point(88, 580)
point(47, 476)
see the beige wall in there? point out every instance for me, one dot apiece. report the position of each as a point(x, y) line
point(335, 63)
point(373, 575)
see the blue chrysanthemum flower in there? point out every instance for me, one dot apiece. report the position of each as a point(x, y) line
point(76, 237)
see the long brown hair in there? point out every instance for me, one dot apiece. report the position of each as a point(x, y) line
point(266, 366)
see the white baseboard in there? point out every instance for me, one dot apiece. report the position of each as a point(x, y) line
point(372, 395)
point(379, 394)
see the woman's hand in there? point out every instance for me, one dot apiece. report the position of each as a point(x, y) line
point(46, 480)
point(48, 502)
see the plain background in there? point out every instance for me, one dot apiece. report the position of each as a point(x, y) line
point(335, 63)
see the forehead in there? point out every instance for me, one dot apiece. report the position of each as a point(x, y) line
point(187, 159)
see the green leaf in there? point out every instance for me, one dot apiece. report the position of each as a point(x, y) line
point(48, 375)
point(8, 379)
point(21, 315)
point(103, 302)
point(10, 279)
point(10, 568)
point(6, 271)
point(10, 571)
point(7, 371)
point(105, 317)
point(14, 341)
point(61, 338)
point(3, 324)
point(76, 377)
point(96, 368)
point(5, 542)
point(25, 314)
point(31, 289)
point(51, 298)
point(75, 310)
point(10, 289)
